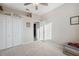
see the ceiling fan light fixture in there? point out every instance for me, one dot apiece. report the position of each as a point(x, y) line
point(35, 4)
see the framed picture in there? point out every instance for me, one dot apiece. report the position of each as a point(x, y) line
point(29, 14)
point(27, 24)
point(74, 20)
point(1, 9)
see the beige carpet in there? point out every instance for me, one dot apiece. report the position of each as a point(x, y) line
point(36, 48)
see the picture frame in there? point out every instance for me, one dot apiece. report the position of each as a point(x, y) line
point(27, 24)
point(29, 14)
point(1, 8)
point(74, 20)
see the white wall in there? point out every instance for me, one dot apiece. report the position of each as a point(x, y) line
point(62, 31)
point(27, 32)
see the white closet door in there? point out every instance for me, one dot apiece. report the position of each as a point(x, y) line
point(2, 34)
point(38, 30)
point(16, 31)
point(48, 31)
point(9, 31)
point(41, 33)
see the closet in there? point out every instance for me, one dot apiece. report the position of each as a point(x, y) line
point(10, 31)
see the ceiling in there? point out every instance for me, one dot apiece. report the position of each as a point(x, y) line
point(41, 9)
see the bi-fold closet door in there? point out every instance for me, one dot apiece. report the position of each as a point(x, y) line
point(14, 31)
point(17, 31)
point(2, 33)
point(10, 31)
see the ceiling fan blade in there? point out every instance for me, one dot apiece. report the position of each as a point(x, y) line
point(45, 4)
point(27, 3)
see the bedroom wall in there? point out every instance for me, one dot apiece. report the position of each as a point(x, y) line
point(62, 31)
point(28, 31)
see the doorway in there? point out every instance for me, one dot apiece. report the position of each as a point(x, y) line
point(35, 35)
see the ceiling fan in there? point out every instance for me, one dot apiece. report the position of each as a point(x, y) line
point(36, 4)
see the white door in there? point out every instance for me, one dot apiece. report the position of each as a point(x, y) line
point(48, 31)
point(41, 33)
point(2, 34)
point(8, 31)
point(17, 26)
point(38, 30)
